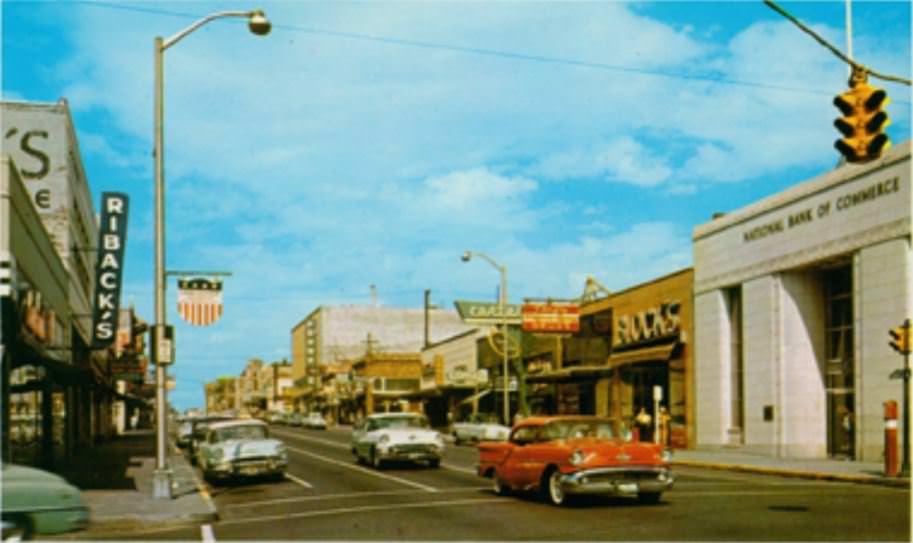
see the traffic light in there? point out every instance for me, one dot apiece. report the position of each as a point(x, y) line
point(863, 121)
point(900, 339)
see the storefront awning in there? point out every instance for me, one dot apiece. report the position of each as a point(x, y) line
point(658, 353)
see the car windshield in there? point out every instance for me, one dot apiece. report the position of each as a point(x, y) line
point(402, 422)
point(241, 432)
point(571, 429)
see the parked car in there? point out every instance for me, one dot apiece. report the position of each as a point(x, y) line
point(315, 421)
point(294, 419)
point(275, 418)
point(37, 502)
point(563, 456)
point(185, 431)
point(479, 428)
point(198, 429)
point(241, 448)
point(396, 436)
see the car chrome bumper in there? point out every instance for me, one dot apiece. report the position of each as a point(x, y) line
point(618, 481)
point(419, 455)
point(242, 469)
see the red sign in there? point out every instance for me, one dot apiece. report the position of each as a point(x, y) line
point(551, 317)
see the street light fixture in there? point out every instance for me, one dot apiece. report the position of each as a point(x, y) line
point(502, 308)
point(259, 25)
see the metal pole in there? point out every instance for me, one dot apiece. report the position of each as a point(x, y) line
point(849, 34)
point(162, 475)
point(905, 465)
point(503, 308)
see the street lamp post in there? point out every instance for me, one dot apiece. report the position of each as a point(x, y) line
point(260, 25)
point(502, 307)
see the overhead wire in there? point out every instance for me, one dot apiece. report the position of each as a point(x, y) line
point(856, 66)
point(487, 52)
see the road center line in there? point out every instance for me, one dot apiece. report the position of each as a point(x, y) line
point(364, 470)
point(347, 495)
point(301, 482)
point(366, 508)
point(206, 533)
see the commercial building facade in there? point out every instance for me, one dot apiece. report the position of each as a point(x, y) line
point(332, 334)
point(57, 390)
point(634, 350)
point(794, 297)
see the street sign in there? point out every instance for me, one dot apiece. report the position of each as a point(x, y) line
point(488, 313)
point(551, 317)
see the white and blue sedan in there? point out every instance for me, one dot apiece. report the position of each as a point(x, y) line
point(241, 448)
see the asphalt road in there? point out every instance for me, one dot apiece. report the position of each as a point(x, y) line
point(328, 496)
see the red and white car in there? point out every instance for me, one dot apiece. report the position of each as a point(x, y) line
point(573, 455)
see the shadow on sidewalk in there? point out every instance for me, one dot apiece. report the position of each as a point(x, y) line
point(110, 465)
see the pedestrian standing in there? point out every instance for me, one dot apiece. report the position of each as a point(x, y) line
point(665, 421)
point(644, 423)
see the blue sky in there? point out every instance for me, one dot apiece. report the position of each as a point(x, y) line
point(370, 143)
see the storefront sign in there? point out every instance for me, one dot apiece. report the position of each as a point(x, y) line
point(112, 237)
point(38, 319)
point(551, 317)
point(653, 323)
point(824, 209)
point(488, 313)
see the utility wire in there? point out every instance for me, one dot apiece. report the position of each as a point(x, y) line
point(481, 51)
point(856, 66)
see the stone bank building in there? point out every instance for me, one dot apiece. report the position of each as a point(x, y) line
point(793, 298)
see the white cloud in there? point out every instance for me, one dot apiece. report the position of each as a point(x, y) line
point(622, 160)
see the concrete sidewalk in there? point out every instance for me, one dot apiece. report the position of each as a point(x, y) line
point(116, 479)
point(732, 459)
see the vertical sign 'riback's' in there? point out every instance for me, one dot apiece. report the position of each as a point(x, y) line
point(109, 265)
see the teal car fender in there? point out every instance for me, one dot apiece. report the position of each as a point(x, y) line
point(41, 502)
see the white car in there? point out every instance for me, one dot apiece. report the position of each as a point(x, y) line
point(239, 448)
point(314, 421)
point(479, 428)
point(383, 437)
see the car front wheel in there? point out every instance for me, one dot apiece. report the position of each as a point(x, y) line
point(499, 486)
point(16, 528)
point(375, 460)
point(554, 492)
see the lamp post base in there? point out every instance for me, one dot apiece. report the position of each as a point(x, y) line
point(161, 483)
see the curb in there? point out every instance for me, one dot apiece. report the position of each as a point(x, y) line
point(202, 488)
point(801, 474)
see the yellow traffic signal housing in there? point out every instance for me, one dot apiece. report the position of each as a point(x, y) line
point(863, 122)
point(900, 339)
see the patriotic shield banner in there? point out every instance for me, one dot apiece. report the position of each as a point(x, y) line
point(199, 301)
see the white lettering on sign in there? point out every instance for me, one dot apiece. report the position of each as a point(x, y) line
point(823, 209)
point(656, 322)
point(108, 267)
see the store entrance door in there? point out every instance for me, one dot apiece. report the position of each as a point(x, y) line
point(841, 420)
point(642, 378)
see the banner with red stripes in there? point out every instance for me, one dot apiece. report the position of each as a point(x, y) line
point(199, 301)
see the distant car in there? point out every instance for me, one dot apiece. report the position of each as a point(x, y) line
point(315, 421)
point(561, 456)
point(396, 436)
point(185, 431)
point(275, 418)
point(294, 419)
point(37, 502)
point(238, 448)
point(479, 428)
